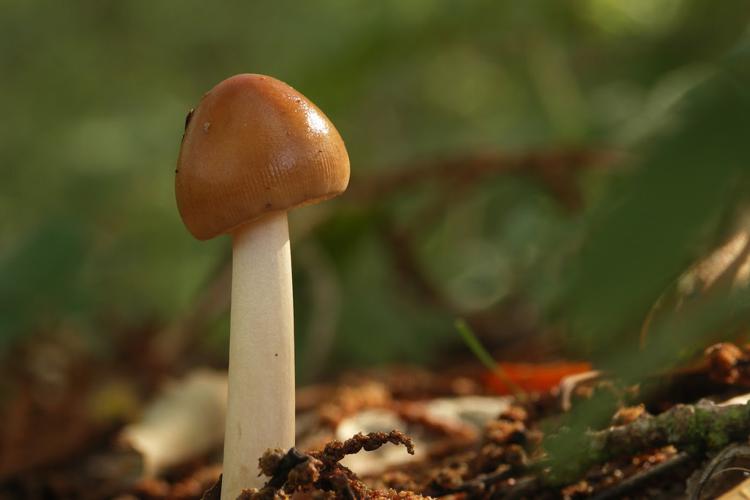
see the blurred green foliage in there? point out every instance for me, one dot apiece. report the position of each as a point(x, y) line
point(94, 98)
point(656, 221)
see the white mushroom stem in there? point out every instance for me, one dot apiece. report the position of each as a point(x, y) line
point(260, 409)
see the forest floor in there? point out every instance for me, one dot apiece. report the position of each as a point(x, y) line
point(401, 432)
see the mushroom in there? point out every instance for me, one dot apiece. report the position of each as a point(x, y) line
point(253, 149)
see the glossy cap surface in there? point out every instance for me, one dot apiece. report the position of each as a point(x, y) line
point(254, 145)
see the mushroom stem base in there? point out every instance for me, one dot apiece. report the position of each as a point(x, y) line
point(260, 411)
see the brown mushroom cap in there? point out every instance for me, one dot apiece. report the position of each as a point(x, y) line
point(255, 145)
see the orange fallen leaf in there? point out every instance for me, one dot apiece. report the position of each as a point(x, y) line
point(533, 377)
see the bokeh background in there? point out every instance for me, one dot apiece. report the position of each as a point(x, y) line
point(544, 170)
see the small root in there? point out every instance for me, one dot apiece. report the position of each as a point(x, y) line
point(319, 475)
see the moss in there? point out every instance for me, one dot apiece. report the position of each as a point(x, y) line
point(692, 428)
